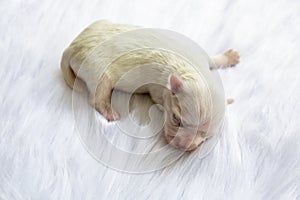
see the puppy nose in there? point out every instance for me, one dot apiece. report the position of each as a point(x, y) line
point(185, 143)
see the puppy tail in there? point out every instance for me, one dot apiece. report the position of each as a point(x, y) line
point(229, 101)
point(70, 77)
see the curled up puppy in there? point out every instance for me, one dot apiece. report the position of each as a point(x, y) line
point(104, 53)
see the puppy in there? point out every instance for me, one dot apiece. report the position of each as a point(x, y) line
point(191, 102)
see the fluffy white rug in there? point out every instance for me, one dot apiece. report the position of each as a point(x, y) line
point(256, 157)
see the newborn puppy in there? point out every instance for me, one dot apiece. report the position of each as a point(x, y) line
point(180, 89)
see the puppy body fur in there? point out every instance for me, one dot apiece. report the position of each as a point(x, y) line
point(177, 85)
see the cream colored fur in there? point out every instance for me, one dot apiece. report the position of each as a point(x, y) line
point(180, 90)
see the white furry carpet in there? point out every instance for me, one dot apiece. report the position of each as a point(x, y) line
point(256, 157)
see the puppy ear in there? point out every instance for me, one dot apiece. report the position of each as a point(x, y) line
point(176, 84)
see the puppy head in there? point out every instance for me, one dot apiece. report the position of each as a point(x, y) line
point(187, 114)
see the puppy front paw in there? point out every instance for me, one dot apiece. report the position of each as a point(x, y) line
point(111, 115)
point(106, 110)
point(232, 56)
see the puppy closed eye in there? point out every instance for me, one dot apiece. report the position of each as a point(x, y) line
point(176, 120)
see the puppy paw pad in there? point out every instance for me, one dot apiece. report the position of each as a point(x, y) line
point(233, 57)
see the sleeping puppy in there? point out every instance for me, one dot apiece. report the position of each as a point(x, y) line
point(187, 101)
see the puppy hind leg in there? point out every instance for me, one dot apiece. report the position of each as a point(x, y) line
point(227, 59)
